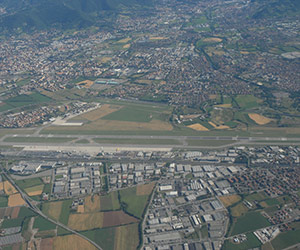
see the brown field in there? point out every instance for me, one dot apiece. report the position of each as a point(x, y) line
point(72, 242)
point(15, 213)
point(92, 203)
point(36, 190)
point(227, 105)
point(54, 209)
point(211, 97)
point(239, 210)
point(212, 39)
point(259, 119)
point(228, 200)
point(9, 188)
point(198, 127)
point(46, 244)
point(145, 189)
point(85, 84)
point(83, 222)
point(218, 126)
point(15, 200)
point(1, 186)
point(158, 38)
point(80, 209)
point(126, 46)
point(124, 40)
point(99, 113)
point(122, 234)
point(116, 218)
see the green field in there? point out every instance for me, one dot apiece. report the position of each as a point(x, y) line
point(103, 237)
point(247, 101)
point(286, 239)
point(3, 201)
point(251, 242)
point(43, 224)
point(110, 202)
point(24, 100)
point(249, 222)
point(38, 139)
point(123, 237)
point(27, 183)
point(65, 212)
point(7, 223)
point(256, 197)
point(132, 203)
point(132, 114)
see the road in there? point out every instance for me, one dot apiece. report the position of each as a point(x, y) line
point(32, 206)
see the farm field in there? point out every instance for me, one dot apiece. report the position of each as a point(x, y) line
point(238, 210)
point(92, 203)
point(145, 189)
point(116, 238)
point(9, 189)
point(110, 202)
point(88, 221)
point(70, 242)
point(35, 190)
point(229, 200)
point(286, 239)
point(259, 119)
point(43, 224)
point(15, 200)
point(53, 209)
point(133, 203)
point(248, 222)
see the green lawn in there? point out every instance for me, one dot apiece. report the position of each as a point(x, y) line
point(286, 239)
point(248, 222)
point(251, 242)
point(43, 224)
point(132, 203)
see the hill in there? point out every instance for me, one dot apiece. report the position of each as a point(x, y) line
point(41, 14)
point(276, 8)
